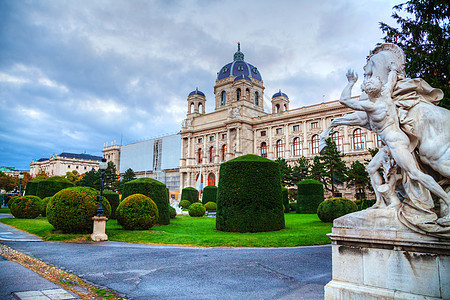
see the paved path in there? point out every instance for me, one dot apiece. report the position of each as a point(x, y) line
point(165, 272)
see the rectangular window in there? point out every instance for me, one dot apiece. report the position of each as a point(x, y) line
point(224, 136)
point(263, 133)
point(200, 140)
point(296, 128)
point(315, 125)
point(211, 138)
point(279, 130)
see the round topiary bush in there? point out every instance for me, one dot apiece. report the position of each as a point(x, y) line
point(190, 194)
point(26, 207)
point(211, 206)
point(334, 208)
point(137, 212)
point(197, 210)
point(44, 204)
point(285, 195)
point(114, 200)
point(153, 189)
point(209, 194)
point(184, 204)
point(293, 206)
point(173, 212)
point(249, 195)
point(71, 210)
point(309, 195)
point(50, 186)
point(11, 200)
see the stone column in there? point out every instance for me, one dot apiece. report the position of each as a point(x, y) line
point(346, 142)
point(238, 140)
point(287, 148)
point(270, 149)
point(305, 148)
point(217, 153)
point(229, 146)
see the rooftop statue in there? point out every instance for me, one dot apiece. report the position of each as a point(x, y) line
point(416, 133)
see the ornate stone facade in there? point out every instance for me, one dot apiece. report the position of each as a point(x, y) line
point(239, 126)
point(59, 165)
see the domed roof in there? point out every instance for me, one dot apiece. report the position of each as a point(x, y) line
point(279, 94)
point(242, 77)
point(196, 92)
point(239, 67)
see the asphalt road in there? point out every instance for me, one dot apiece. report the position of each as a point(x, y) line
point(165, 272)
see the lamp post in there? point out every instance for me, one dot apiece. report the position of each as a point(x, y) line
point(20, 183)
point(102, 166)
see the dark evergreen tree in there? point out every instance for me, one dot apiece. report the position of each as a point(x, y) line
point(285, 172)
point(317, 169)
point(110, 179)
point(90, 179)
point(424, 37)
point(334, 169)
point(300, 170)
point(128, 176)
point(358, 178)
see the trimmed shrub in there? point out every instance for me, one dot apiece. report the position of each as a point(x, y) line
point(31, 187)
point(209, 194)
point(211, 206)
point(10, 200)
point(249, 195)
point(309, 195)
point(71, 210)
point(50, 186)
point(153, 189)
point(114, 200)
point(285, 195)
point(190, 194)
point(184, 204)
point(197, 210)
point(293, 206)
point(44, 204)
point(137, 212)
point(366, 203)
point(26, 207)
point(334, 208)
point(172, 212)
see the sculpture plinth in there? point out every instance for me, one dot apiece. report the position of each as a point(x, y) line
point(99, 234)
point(376, 257)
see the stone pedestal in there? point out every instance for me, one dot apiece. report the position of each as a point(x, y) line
point(99, 229)
point(377, 257)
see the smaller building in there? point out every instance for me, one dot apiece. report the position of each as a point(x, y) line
point(59, 165)
point(11, 171)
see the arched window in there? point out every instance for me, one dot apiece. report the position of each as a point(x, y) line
point(211, 154)
point(200, 106)
point(285, 107)
point(279, 149)
point(277, 108)
point(211, 179)
point(224, 152)
point(297, 147)
point(358, 141)
point(315, 144)
point(224, 98)
point(199, 155)
point(337, 140)
point(191, 107)
point(256, 98)
point(263, 149)
point(238, 94)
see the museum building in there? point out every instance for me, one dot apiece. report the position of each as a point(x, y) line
point(239, 125)
point(60, 164)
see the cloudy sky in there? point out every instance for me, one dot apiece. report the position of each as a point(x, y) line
point(77, 74)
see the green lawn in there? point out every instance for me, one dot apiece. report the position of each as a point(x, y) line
point(301, 230)
point(5, 210)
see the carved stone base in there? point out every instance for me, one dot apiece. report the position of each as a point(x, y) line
point(99, 229)
point(377, 257)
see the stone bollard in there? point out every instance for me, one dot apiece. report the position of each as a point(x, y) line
point(99, 229)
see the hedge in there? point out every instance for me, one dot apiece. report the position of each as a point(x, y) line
point(137, 212)
point(249, 195)
point(50, 186)
point(31, 187)
point(26, 207)
point(190, 194)
point(114, 200)
point(285, 195)
point(334, 208)
point(209, 194)
point(44, 204)
point(153, 189)
point(71, 210)
point(309, 195)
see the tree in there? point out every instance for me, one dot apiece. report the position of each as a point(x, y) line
point(285, 172)
point(110, 176)
point(129, 175)
point(90, 179)
point(73, 176)
point(7, 183)
point(424, 37)
point(358, 178)
point(317, 169)
point(301, 170)
point(41, 174)
point(334, 168)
